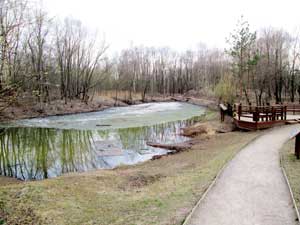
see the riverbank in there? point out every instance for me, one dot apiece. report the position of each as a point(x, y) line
point(161, 191)
point(26, 110)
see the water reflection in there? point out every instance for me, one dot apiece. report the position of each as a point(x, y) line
point(36, 153)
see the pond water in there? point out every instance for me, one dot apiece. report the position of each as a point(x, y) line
point(48, 147)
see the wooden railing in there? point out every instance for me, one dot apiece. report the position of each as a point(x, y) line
point(293, 108)
point(260, 117)
point(264, 113)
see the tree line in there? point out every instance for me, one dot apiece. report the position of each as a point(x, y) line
point(265, 64)
point(46, 59)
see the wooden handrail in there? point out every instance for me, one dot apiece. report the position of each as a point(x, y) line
point(265, 113)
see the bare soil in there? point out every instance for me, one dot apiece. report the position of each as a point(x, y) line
point(25, 108)
point(209, 128)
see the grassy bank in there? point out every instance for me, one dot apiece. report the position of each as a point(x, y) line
point(156, 192)
point(292, 168)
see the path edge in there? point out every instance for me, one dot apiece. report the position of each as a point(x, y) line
point(291, 193)
point(289, 185)
point(189, 216)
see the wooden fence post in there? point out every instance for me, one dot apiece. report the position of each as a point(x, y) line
point(273, 114)
point(285, 112)
point(239, 111)
point(297, 146)
point(293, 109)
point(256, 115)
point(223, 111)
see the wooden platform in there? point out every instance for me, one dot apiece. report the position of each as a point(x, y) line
point(261, 117)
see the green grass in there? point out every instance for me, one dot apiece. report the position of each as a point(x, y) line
point(156, 192)
point(292, 168)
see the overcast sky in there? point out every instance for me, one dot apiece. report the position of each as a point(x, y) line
point(179, 24)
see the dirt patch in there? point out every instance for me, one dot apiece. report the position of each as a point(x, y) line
point(8, 181)
point(19, 215)
point(205, 128)
point(141, 180)
point(209, 128)
point(174, 147)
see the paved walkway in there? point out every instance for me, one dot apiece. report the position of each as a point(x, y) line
point(252, 189)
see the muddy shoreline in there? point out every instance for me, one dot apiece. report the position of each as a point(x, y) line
point(198, 133)
point(58, 108)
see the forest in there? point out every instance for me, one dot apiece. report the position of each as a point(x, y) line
point(44, 59)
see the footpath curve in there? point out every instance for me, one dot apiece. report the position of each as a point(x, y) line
point(251, 190)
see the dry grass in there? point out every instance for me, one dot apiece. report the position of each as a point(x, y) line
point(156, 192)
point(121, 95)
point(292, 168)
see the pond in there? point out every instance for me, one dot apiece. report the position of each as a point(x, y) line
point(48, 147)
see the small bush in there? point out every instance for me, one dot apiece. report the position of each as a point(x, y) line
point(225, 89)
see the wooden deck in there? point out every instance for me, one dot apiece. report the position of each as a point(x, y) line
point(261, 117)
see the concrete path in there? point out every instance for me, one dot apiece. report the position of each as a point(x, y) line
point(252, 189)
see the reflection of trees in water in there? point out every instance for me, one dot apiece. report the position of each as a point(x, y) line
point(37, 153)
point(74, 146)
point(24, 152)
point(29, 153)
point(135, 138)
